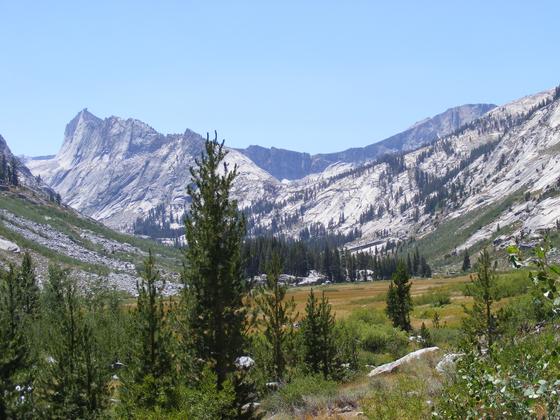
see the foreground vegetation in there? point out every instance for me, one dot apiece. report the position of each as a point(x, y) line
point(226, 348)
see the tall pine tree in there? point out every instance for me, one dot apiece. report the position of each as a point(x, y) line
point(75, 375)
point(213, 273)
point(466, 261)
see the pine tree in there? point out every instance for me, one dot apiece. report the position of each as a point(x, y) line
point(148, 377)
point(480, 324)
point(426, 336)
point(276, 316)
point(327, 349)
point(415, 263)
point(14, 168)
point(75, 377)
point(311, 332)
point(318, 335)
point(425, 269)
point(28, 286)
point(399, 302)
point(466, 261)
point(3, 169)
point(13, 351)
point(213, 273)
point(152, 330)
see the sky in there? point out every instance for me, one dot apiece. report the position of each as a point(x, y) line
point(313, 76)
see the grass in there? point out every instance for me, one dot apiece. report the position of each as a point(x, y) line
point(346, 298)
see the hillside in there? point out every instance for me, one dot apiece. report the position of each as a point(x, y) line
point(53, 233)
point(501, 169)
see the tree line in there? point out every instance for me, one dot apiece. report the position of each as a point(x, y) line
point(337, 265)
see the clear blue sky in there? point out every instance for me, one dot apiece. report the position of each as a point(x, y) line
point(313, 76)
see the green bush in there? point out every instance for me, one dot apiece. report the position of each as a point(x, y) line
point(374, 332)
point(404, 398)
point(445, 337)
point(368, 316)
point(382, 338)
point(435, 298)
point(508, 285)
point(518, 380)
point(513, 284)
point(294, 395)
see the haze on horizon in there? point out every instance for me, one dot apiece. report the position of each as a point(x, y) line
point(316, 77)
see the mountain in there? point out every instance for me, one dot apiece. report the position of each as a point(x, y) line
point(117, 170)
point(31, 221)
point(286, 164)
point(495, 178)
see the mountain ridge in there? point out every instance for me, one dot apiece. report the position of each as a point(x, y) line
point(137, 174)
point(288, 164)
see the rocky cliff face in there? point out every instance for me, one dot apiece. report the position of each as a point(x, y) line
point(116, 170)
point(286, 164)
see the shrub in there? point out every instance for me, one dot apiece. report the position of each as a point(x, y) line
point(382, 338)
point(518, 380)
point(445, 337)
point(295, 395)
point(368, 316)
point(435, 298)
point(403, 398)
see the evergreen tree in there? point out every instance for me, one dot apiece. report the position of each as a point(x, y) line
point(74, 378)
point(426, 336)
point(14, 168)
point(425, 269)
point(399, 302)
point(466, 261)
point(318, 335)
point(148, 383)
point(213, 273)
point(3, 169)
point(28, 287)
point(276, 316)
point(415, 263)
point(480, 323)
point(13, 351)
point(152, 330)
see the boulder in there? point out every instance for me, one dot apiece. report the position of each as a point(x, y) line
point(244, 362)
point(448, 361)
point(9, 246)
point(391, 367)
